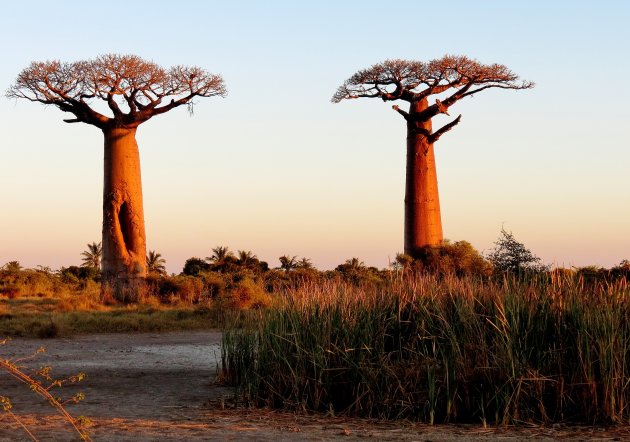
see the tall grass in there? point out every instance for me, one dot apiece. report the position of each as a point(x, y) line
point(440, 350)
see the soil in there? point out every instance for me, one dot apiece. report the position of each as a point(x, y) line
point(162, 387)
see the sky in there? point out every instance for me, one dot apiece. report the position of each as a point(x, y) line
point(277, 169)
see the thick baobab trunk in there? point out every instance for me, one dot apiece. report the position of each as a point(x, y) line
point(423, 223)
point(124, 242)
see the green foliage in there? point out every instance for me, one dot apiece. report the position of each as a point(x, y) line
point(74, 274)
point(511, 256)
point(194, 266)
point(459, 258)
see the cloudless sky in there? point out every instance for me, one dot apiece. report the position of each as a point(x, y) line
point(277, 169)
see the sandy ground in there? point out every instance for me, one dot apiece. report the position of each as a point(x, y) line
point(161, 387)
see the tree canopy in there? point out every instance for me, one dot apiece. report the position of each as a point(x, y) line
point(134, 89)
point(414, 81)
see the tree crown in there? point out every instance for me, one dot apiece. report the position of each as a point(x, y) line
point(414, 80)
point(134, 89)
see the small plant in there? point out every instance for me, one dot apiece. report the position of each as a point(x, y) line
point(511, 256)
point(42, 383)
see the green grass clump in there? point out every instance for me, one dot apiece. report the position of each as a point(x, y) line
point(441, 349)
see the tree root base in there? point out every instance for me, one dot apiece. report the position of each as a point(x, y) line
point(123, 289)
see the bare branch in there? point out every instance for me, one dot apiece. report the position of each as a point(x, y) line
point(441, 131)
point(112, 103)
point(443, 109)
point(415, 80)
point(133, 88)
point(405, 76)
point(401, 112)
point(523, 85)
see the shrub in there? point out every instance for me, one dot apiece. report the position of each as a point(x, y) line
point(214, 285)
point(194, 266)
point(245, 294)
point(74, 274)
point(176, 288)
point(511, 256)
point(459, 258)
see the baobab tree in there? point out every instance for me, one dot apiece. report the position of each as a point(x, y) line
point(134, 91)
point(449, 79)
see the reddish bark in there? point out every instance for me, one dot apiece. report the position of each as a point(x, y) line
point(423, 223)
point(124, 240)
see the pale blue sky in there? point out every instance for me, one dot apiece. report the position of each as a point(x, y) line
point(277, 169)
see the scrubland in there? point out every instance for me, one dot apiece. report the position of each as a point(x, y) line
point(447, 338)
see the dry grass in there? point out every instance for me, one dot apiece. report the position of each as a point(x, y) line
point(43, 304)
point(42, 320)
point(82, 312)
point(441, 349)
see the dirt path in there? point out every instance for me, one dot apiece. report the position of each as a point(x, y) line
point(146, 387)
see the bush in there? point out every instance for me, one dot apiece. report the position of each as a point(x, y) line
point(194, 266)
point(29, 282)
point(74, 274)
point(183, 288)
point(511, 256)
point(459, 258)
point(245, 294)
point(214, 285)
